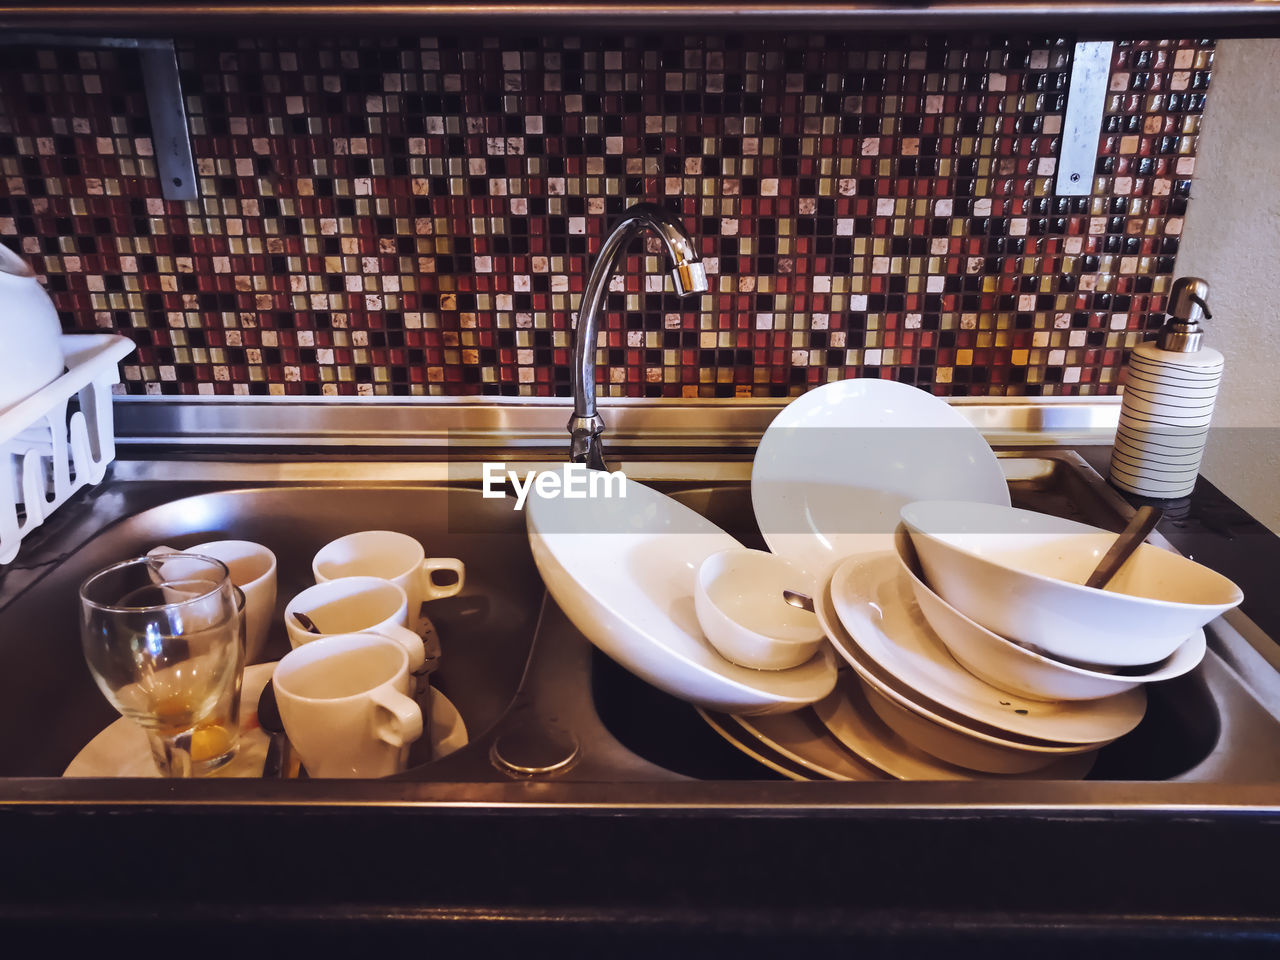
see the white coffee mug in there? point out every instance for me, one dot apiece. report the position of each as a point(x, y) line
point(253, 570)
point(390, 556)
point(345, 706)
point(354, 605)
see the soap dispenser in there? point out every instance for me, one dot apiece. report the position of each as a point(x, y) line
point(1168, 401)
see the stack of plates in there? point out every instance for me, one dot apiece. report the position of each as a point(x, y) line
point(843, 738)
point(919, 690)
point(1164, 422)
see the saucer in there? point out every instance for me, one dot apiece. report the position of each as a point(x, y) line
point(121, 749)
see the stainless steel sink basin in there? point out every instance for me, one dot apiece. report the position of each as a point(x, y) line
point(551, 721)
point(490, 627)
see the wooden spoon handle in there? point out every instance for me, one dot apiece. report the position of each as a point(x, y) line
point(1139, 526)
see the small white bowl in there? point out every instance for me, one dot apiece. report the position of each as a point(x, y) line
point(1021, 575)
point(738, 599)
point(1004, 664)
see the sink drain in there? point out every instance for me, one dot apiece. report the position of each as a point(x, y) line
point(532, 752)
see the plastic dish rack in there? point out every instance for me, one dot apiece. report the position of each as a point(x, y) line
point(46, 456)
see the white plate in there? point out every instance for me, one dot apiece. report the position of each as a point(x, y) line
point(623, 570)
point(875, 604)
point(121, 749)
point(836, 465)
point(850, 719)
point(802, 739)
point(732, 731)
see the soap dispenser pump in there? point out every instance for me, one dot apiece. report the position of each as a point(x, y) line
point(1168, 400)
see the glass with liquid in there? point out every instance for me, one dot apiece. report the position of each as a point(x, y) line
point(163, 640)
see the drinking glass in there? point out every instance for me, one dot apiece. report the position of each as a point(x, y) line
point(162, 638)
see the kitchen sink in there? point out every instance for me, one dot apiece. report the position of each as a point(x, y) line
point(540, 703)
point(643, 820)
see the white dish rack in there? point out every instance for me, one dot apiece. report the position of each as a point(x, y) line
point(46, 456)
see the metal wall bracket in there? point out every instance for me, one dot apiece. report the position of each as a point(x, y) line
point(169, 134)
point(1086, 100)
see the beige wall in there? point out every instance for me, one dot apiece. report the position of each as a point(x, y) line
point(1232, 239)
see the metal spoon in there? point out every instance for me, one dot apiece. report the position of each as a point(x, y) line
point(1136, 531)
point(276, 766)
point(305, 622)
point(798, 599)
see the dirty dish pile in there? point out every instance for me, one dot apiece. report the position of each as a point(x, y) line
point(931, 691)
point(965, 655)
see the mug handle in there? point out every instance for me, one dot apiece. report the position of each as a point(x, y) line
point(430, 590)
point(411, 642)
point(405, 723)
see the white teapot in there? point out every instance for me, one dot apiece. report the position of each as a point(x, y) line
point(30, 334)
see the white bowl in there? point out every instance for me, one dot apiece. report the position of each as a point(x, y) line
point(738, 599)
point(622, 568)
point(1021, 575)
point(1003, 663)
point(30, 332)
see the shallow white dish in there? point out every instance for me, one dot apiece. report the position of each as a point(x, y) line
point(121, 748)
point(801, 738)
point(1021, 575)
point(847, 714)
point(1009, 666)
point(874, 601)
point(622, 569)
point(731, 730)
point(836, 465)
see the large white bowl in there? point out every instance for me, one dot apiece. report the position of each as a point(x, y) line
point(1021, 575)
point(836, 465)
point(622, 569)
point(1003, 663)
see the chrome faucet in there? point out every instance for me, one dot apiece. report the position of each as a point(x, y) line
point(690, 277)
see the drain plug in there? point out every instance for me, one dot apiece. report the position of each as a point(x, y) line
point(532, 752)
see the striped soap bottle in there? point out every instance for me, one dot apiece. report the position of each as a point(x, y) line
point(1169, 393)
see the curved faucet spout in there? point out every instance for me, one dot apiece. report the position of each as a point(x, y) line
point(690, 277)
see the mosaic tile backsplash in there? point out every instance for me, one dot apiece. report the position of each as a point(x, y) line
point(418, 216)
